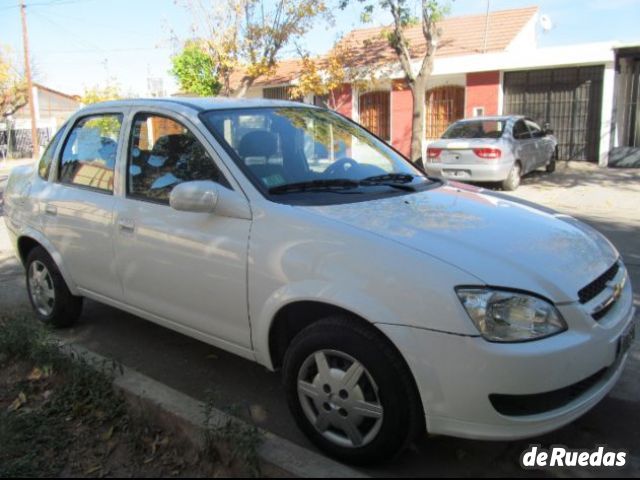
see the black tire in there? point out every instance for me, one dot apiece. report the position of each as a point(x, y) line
point(551, 166)
point(402, 414)
point(65, 307)
point(512, 181)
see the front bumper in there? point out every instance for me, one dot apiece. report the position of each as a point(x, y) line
point(456, 375)
point(485, 172)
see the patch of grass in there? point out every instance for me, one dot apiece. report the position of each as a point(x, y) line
point(35, 437)
point(61, 416)
point(232, 441)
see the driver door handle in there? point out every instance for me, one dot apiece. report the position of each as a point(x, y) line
point(126, 225)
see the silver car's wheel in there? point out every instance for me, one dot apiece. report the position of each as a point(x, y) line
point(340, 398)
point(50, 297)
point(41, 288)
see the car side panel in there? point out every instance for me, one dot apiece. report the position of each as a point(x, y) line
point(299, 256)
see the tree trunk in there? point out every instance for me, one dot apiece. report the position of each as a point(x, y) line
point(417, 124)
point(244, 86)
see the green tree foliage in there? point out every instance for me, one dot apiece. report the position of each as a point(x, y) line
point(245, 37)
point(196, 71)
point(109, 125)
point(97, 94)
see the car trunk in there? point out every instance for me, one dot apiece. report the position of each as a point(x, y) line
point(463, 152)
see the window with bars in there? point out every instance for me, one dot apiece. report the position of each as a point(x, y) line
point(280, 93)
point(445, 105)
point(375, 113)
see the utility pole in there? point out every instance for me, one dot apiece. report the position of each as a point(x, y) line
point(27, 71)
point(486, 27)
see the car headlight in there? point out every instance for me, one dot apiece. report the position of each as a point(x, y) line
point(503, 316)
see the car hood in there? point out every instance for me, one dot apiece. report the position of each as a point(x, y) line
point(500, 240)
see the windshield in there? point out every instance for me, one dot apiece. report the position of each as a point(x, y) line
point(292, 150)
point(476, 129)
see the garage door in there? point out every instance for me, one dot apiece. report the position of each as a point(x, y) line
point(570, 99)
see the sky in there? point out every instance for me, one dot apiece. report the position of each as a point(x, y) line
point(79, 44)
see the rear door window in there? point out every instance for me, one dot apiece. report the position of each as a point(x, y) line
point(520, 131)
point(89, 154)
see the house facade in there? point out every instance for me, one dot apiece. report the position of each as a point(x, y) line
point(485, 65)
point(52, 109)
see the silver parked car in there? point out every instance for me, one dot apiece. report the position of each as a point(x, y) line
point(492, 149)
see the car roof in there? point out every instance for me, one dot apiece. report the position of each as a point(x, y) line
point(199, 103)
point(492, 117)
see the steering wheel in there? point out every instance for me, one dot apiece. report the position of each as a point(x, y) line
point(340, 166)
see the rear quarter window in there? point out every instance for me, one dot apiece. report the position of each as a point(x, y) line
point(44, 167)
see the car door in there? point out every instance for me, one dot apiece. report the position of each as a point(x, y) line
point(542, 144)
point(78, 206)
point(524, 145)
point(189, 269)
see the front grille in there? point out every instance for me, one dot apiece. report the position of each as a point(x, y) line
point(521, 405)
point(592, 290)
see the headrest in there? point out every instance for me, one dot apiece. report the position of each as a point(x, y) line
point(172, 144)
point(258, 143)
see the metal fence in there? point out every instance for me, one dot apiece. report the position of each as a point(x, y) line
point(570, 99)
point(16, 143)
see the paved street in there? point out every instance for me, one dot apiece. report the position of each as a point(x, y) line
point(607, 199)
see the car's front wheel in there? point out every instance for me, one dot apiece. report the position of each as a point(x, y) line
point(50, 297)
point(351, 392)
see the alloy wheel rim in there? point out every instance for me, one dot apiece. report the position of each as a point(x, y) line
point(340, 398)
point(41, 288)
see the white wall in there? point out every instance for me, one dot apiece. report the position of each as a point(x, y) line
point(607, 120)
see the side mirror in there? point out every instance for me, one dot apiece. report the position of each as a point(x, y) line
point(204, 196)
point(547, 129)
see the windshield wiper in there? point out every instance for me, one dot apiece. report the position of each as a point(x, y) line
point(394, 180)
point(335, 184)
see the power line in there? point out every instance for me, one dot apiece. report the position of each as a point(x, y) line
point(80, 40)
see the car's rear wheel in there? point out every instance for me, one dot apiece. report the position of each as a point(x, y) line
point(50, 297)
point(350, 391)
point(512, 181)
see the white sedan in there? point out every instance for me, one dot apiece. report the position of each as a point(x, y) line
point(394, 303)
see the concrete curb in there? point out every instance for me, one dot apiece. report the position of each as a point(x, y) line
point(184, 415)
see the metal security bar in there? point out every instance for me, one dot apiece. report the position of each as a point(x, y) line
point(445, 105)
point(570, 99)
point(628, 106)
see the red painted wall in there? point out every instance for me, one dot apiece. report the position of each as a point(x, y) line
point(343, 98)
point(483, 89)
point(401, 107)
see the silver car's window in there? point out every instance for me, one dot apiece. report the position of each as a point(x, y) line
point(534, 128)
point(475, 129)
point(520, 131)
point(162, 154)
point(89, 154)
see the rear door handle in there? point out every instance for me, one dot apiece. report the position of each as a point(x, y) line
point(126, 225)
point(51, 210)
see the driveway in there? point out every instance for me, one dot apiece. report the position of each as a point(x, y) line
point(603, 198)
